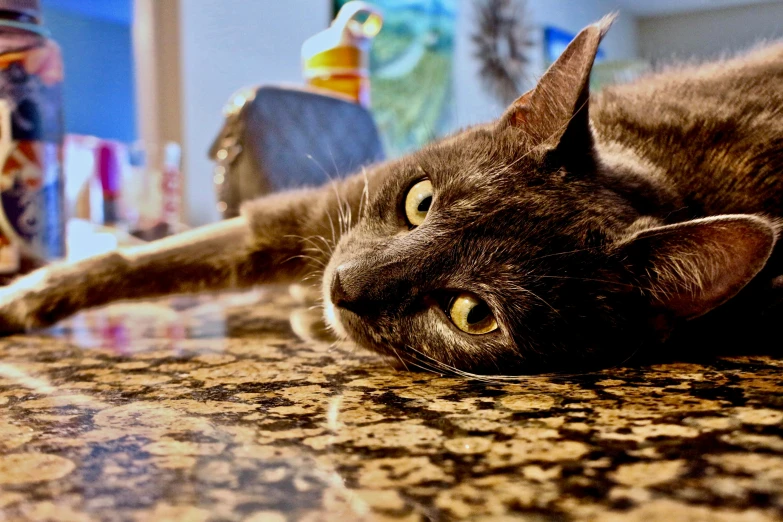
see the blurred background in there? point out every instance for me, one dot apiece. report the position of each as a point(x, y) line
point(150, 72)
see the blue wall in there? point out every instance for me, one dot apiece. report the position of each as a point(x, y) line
point(120, 11)
point(99, 80)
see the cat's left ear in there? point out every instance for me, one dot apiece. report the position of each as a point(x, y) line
point(555, 111)
point(690, 268)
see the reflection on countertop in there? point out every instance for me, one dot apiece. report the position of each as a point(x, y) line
point(223, 408)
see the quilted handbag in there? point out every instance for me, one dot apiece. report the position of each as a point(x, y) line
point(277, 138)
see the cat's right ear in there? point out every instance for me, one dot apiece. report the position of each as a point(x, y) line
point(690, 268)
point(555, 112)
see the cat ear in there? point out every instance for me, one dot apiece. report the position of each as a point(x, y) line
point(692, 267)
point(556, 109)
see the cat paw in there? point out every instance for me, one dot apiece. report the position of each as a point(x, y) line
point(13, 313)
point(21, 304)
point(12, 322)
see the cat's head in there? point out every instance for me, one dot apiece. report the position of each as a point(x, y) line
point(504, 249)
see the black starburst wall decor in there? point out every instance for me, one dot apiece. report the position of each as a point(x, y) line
point(502, 40)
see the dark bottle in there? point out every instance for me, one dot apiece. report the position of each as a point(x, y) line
point(32, 213)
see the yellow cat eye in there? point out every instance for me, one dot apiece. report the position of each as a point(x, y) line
point(472, 315)
point(418, 202)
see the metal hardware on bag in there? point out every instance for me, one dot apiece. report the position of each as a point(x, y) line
point(225, 158)
point(229, 146)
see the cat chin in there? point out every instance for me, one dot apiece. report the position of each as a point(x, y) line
point(339, 328)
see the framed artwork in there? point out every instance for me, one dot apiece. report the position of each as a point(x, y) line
point(411, 71)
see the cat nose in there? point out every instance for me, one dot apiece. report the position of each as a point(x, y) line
point(339, 291)
point(370, 286)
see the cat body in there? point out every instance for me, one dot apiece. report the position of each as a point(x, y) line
point(570, 233)
point(711, 134)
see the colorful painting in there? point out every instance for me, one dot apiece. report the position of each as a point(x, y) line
point(411, 71)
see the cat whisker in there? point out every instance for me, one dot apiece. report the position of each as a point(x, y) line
point(320, 254)
point(349, 213)
point(334, 162)
point(329, 247)
point(617, 283)
point(514, 163)
point(305, 256)
point(361, 203)
point(426, 368)
point(559, 254)
point(365, 194)
point(493, 379)
point(423, 365)
point(314, 251)
point(624, 361)
point(318, 260)
point(434, 364)
point(331, 227)
point(341, 203)
point(308, 239)
point(333, 184)
point(310, 276)
point(533, 294)
point(318, 164)
point(344, 210)
point(325, 251)
point(401, 360)
point(340, 212)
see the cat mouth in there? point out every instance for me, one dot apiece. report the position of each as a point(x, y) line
point(332, 319)
point(347, 326)
point(331, 315)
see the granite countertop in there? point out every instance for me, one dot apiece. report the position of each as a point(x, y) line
point(237, 408)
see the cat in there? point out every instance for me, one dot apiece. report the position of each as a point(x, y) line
point(567, 234)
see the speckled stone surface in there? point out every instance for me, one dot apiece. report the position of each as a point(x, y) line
point(231, 408)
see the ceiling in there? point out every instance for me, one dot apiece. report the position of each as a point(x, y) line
point(667, 7)
point(119, 11)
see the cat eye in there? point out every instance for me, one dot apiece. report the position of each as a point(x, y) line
point(418, 202)
point(471, 315)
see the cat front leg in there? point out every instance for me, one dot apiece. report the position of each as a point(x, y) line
point(278, 239)
point(214, 257)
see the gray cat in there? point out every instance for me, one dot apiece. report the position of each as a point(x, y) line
point(566, 234)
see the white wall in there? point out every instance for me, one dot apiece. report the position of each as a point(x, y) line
point(226, 45)
point(473, 105)
point(709, 33)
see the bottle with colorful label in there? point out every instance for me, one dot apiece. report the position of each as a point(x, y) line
point(32, 210)
point(337, 59)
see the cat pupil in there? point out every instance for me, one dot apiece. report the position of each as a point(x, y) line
point(424, 206)
point(478, 313)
